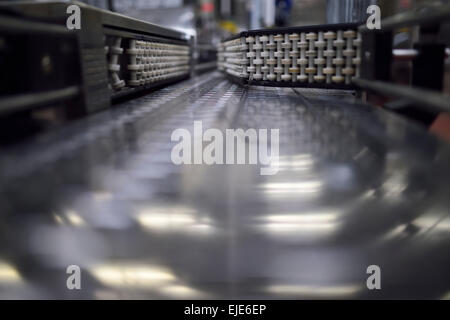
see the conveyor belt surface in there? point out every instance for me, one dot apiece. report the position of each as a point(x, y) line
point(356, 187)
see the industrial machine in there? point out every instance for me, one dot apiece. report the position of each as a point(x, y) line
point(48, 64)
point(360, 185)
point(319, 56)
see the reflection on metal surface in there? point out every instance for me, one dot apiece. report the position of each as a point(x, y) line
point(302, 218)
point(346, 291)
point(8, 274)
point(395, 232)
point(291, 188)
point(58, 219)
point(181, 292)
point(74, 218)
point(174, 219)
point(132, 275)
point(135, 276)
point(300, 162)
point(437, 224)
point(300, 223)
point(352, 191)
point(446, 296)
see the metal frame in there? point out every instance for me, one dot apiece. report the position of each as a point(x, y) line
point(64, 89)
point(424, 92)
point(51, 16)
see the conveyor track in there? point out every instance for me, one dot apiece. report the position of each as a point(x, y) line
point(356, 187)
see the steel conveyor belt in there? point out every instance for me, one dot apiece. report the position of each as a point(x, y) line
point(356, 187)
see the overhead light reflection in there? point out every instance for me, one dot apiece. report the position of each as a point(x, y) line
point(435, 223)
point(394, 186)
point(446, 296)
point(302, 218)
point(9, 274)
point(58, 219)
point(296, 227)
point(181, 292)
point(394, 232)
point(163, 221)
point(154, 278)
point(295, 163)
point(74, 218)
point(291, 187)
point(174, 219)
point(314, 291)
point(300, 223)
point(132, 275)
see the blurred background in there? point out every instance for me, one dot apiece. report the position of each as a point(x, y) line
point(211, 19)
